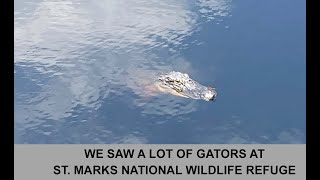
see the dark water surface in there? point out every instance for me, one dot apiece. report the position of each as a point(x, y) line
point(83, 69)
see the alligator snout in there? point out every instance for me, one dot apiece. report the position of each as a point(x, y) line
point(210, 95)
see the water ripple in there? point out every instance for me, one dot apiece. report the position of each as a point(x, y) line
point(72, 58)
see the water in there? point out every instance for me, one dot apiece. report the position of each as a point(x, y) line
point(82, 71)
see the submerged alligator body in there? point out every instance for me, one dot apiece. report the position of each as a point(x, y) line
point(181, 84)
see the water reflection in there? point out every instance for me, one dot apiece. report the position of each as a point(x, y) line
point(75, 59)
point(214, 9)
